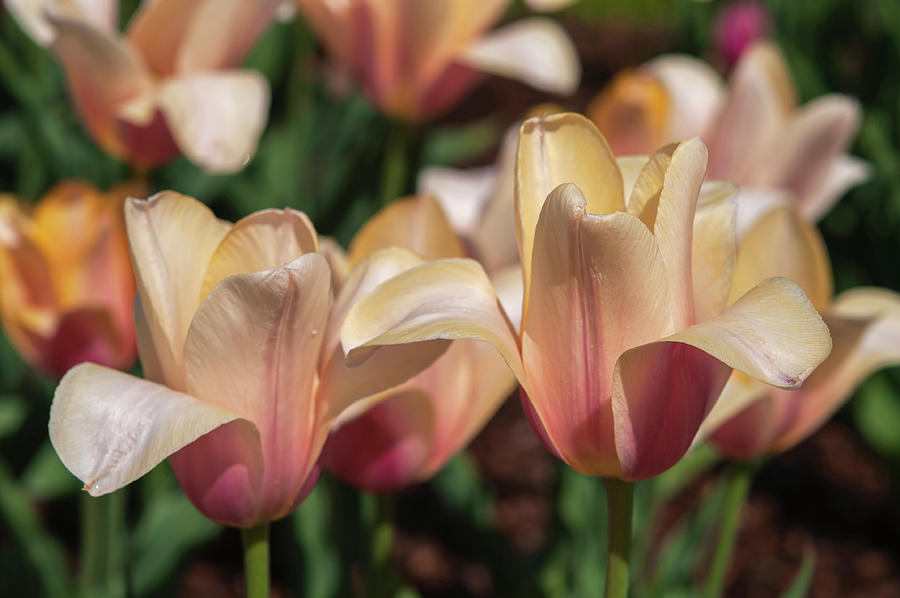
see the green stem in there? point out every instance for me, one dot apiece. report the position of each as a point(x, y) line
point(381, 582)
point(738, 480)
point(256, 560)
point(103, 544)
point(396, 167)
point(619, 509)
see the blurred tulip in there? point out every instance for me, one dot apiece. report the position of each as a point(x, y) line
point(406, 434)
point(625, 343)
point(66, 285)
point(237, 334)
point(170, 85)
point(752, 419)
point(757, 135)
point(415, 59)
point(739, 24)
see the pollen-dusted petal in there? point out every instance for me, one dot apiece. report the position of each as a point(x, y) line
point(598, 288)
point(783, 243)
point(110, 428)
point(253, 348)
point(557, 149)
point(772, 333)
point(172, 238)
point(535, 51)
point(445, 299)
point(264, 240)
point(216, 118)
point(713, 248)
point(417, 223)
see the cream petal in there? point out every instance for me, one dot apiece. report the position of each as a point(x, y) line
point(110, 428)
point(535, 51)
point(630, 167)
point(713, 248)
point(845, 172)
point(695, 92)
point(461, 193)
point(336, 257)
point(753, 204)
point(158, 28)
point(172, 238)
point(549, 5)
point(749, 432)
point(264, 240)
point(32, 15)
point(417, 223)
point(782, 243)
point(740, 393)
point(253, 348)
point(216, 118)
point(444, 299)
point(508, 286)
point(643, 199)
point(494, 240)
point(772, 333)
point(598, 288)
point(556, 149)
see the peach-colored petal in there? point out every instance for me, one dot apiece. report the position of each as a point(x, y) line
point(556, 149)
point(761, 96)
point(417, 223)
point(633, 112)
point(172, 239)
point(748, 432)
point(845, 172)
point(264, 240)
point(32, 15)
point(216, 118)
point(336, 257)
point(549, 5)
point(109, 428)
point(782, 243)
point(740, 393)
point(695, 93)
point(713, 248)
point(535, 51)
point(591, 275)
point(494, 241)
point(253, 348)
point(85, 334)
point(461, 193)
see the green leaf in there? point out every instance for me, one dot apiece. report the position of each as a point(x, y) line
point(311, 522)
point(799, 588)
point(13, 410)
point(462, 488)
point(877, 414)
point(452, 146)
point(46, 477)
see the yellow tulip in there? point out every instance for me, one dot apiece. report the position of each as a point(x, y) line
point(625, 341)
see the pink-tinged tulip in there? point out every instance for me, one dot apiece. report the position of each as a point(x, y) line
point(404, 435)
point(66, 286)
point(739, 24)
point(170, 85)
point(416, 59)
point(752, 419)
point(238, 336)
point(757, 135)
point(625, 341)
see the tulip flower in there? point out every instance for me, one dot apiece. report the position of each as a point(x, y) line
point(752, 419)
point(405, 434)
point(169, 85)
point(416, 59)
point(67, 285)
point(757, 135)
point(737, 25)
point(237, 334)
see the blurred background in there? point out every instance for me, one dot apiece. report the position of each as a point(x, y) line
point(504, 518)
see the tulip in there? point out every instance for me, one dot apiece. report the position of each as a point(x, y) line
point(737, 25)
point(757, 135)
point(237, 334)
point(67, 285)
point(404, 435)
point(169, 85)
point(752, 419)
point(416, 59)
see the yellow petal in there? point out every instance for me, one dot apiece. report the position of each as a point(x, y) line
point(416, 223)
point(632, 111)
point(556, 149)
point(172, 238)
point(713, 248)
point(264, 240)
point(782, 243)
point(109, 428)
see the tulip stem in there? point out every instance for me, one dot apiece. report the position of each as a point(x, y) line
point(395, 169)
point(619, 502)
point(256, 560)
point(381, 576)
point(738, 479)
point(103, 544)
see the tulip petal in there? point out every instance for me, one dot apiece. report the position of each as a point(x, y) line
point(783, 243)
point(32, 16)
point(845, 172)
point(695, 92)
point(549, 5)
point(630, 167)
point(740, 394)
point(253, 348)
point(264, 240)
point(172, 239)
point(494, 241)
point(461, 193)
point(445, 299)
point(556, 149)
point(342, 384)
point(713, 248)
point(598, 288)
point(416, 223)
point(158, 29)
point(109, 428)
point(535, 51)
point(216, 118)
